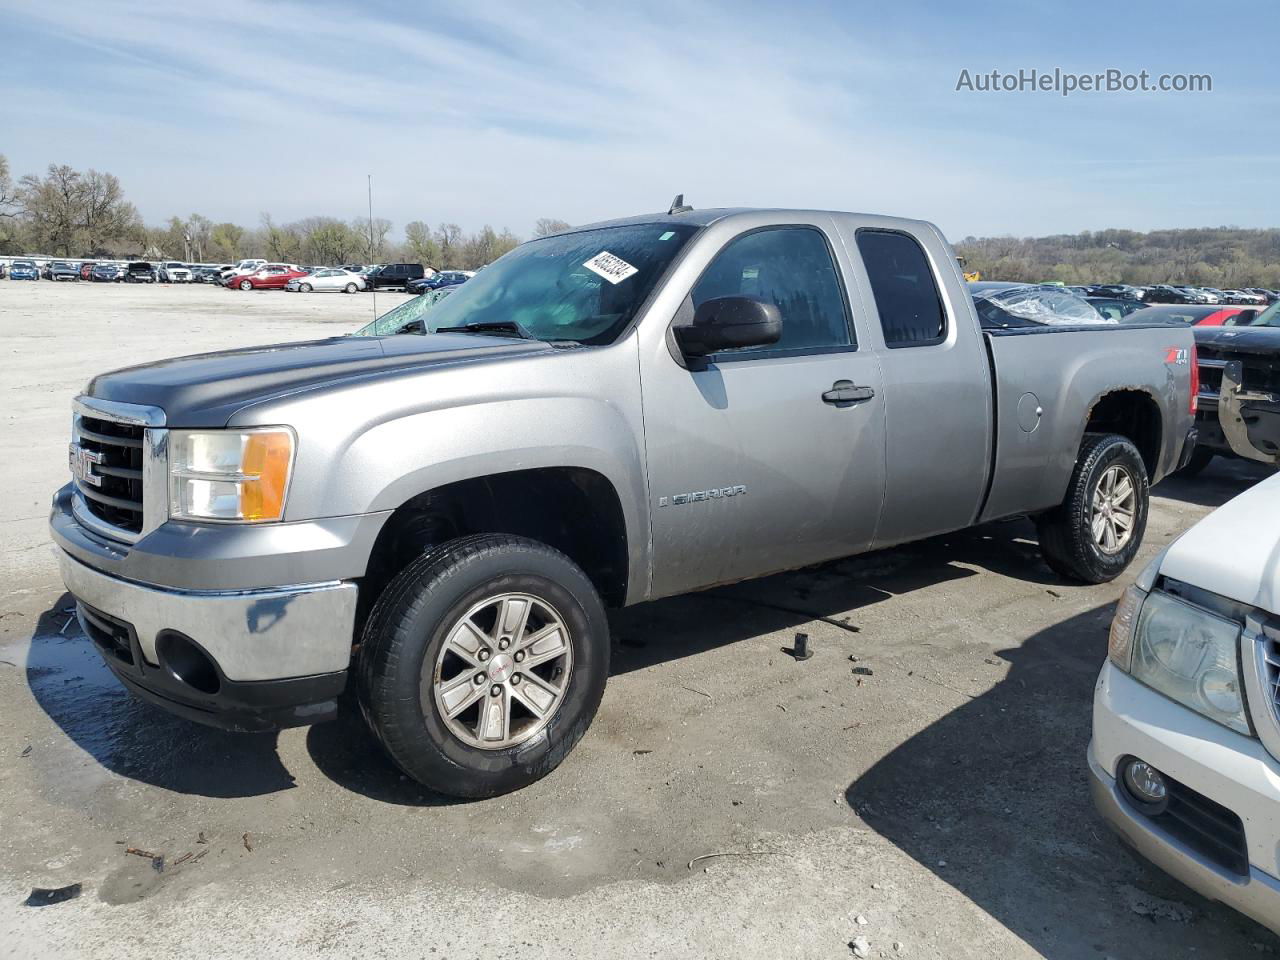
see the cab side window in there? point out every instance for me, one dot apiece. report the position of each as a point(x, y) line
point(792, 268)
point(907, 298)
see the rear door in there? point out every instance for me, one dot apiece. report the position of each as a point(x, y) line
point(937, 389)
point(751, 468)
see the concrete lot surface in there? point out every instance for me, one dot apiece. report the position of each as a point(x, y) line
point(942, 798)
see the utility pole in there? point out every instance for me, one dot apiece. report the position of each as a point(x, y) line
point(369, 176)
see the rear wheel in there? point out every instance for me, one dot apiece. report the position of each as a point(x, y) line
point(1096, 532)
point(483, 664)
point(349, 288)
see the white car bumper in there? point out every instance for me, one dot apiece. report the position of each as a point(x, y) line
point(1205, 758)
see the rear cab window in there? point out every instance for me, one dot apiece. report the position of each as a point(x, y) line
point(904, 287)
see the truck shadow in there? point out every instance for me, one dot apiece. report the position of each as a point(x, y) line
point(1217, 483)
point(993, 798)
point(684, 626)
point(75, 689)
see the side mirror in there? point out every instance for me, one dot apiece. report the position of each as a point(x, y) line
point(728, 322)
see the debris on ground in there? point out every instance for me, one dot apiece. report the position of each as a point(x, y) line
point(26, 751)
point(48, 896)
point(157, 859)
point(863, 671)
point(1152, 907)
point(248, 843)
point(860, 947)
point(860, 920)
point(641, 753)
point(1053, 593)
point(200, 837)
point(183, 859)
point(799, 650)
point(897, 946)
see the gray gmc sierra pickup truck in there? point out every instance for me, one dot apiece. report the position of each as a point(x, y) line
point(617, 413)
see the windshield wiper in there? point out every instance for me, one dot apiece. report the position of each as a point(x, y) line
point(491, 326)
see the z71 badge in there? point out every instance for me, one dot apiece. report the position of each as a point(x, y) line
point(715, 493)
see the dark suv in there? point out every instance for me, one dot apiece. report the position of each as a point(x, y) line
point(394, 275)
point(140, 273)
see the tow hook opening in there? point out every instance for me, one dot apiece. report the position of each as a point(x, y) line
point(187, 663)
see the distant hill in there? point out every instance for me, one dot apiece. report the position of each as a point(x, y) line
point(1227, 257)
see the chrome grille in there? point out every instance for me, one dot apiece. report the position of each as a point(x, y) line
point(1269, 644)
point(117, 466)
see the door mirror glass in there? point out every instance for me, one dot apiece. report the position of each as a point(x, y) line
point(727, 323)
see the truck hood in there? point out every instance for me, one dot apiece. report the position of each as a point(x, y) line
point(1235, 551)
point(204, 390)
point(1239, 339)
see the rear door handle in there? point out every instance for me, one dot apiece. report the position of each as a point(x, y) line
point(844, 391)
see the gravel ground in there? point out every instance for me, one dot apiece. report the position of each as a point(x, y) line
point(942, 798)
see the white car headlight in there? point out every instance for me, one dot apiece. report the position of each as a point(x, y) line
point(1189, 655)
point(235, 476)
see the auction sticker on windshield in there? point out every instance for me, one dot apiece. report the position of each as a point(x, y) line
point(614, 269)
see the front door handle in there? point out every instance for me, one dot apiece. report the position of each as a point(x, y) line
point(843, 391)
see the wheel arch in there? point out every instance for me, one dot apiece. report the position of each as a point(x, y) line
point(1134, 414)
point(575, 509)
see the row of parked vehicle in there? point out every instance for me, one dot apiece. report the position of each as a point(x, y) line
point(1170, 293)
point(249, 274)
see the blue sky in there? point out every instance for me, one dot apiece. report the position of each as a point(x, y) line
point(502, 113)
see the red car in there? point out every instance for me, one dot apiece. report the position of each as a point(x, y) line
point(85, 269)
point(271, 277)
point(1187, 315)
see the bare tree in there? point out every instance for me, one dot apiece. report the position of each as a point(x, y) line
point(545, 226)
point(449, 240)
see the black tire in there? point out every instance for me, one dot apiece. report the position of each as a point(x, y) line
point(1199, 460)
point(304, 288)
point(1066, 539)
point(411, 621)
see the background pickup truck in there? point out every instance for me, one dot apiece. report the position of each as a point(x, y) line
point(610, 415)
point(1239, 413)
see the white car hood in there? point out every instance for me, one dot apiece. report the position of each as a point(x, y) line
point(1235, 551)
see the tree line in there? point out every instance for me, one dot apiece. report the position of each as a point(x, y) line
point(73, 213)
point(1227, 257)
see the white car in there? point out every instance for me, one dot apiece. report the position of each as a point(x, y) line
point(1185, 755)
point(243, 268)
point(331, 278)
point(172, 271)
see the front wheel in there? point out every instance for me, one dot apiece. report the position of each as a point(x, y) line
point(246, 285)
point(304, 287)
point(1096, 532)
point(483, 663)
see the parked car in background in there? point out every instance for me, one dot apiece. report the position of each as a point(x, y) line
point(171, 271)
point(394, 275)
point(46, 270)
point(86, 269)
point(353, 267)
point(273, 276)
point(1268, 296)
point(1239, 390)
point(139, 272)
point(243, 268)
point(327, 279)
point(1180, 315)
point(1003, 305)
point(1115, 308)
point(62, 270)
point(445, 278)
point(23, 270)
point(1186, 712)
point(204, 274)
point(1165, 293)
point(1121, 291)
point(104, 273)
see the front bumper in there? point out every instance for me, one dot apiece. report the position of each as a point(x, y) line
point(1130, 719)
point(239, 659)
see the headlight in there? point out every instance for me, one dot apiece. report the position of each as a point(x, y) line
point(229, 475)
point(1192, 657)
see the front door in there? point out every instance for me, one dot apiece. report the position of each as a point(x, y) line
point(769, 458)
